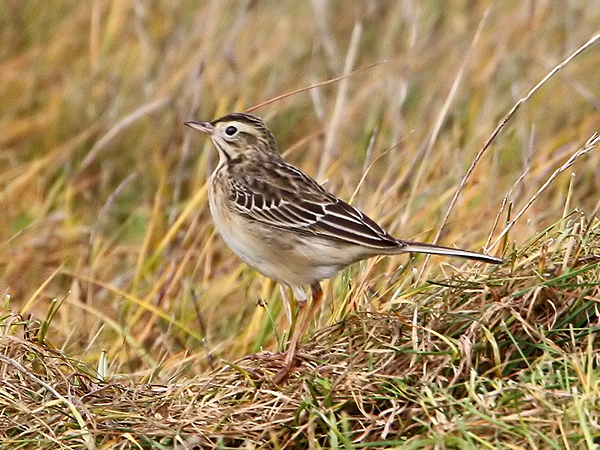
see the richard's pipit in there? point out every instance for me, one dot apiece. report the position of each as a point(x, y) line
point(283, 223)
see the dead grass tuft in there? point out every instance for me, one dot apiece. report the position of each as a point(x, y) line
point(489, 358)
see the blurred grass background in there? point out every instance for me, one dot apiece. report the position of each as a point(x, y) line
point(106, 229)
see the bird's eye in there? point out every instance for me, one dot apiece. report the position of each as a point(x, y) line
point(230, 130)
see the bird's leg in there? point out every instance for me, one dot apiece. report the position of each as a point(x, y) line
point(305, 313)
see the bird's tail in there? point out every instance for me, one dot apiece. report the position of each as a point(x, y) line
point(421, 247)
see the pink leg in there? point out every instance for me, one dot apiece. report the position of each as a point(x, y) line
point(303, 320)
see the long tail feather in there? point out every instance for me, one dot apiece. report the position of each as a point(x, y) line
point(421, 247)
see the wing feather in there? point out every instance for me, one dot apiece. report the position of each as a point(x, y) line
point(315, 211)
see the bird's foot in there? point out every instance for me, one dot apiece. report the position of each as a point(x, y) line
point(288, 366)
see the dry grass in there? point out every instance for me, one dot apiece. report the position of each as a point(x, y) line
point(502, 359)
point(108, 257)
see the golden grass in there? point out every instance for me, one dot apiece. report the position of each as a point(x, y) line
point(106, 240)
point(505, 358)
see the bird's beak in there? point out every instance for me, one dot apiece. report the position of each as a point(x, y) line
point(204, 127)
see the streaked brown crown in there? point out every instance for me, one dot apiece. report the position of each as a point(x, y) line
point(240, 134)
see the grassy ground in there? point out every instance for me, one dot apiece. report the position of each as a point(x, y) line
point(124, 316)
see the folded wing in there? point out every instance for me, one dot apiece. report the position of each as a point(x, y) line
point(276, 201)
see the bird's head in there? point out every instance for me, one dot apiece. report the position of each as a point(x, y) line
point(238, 136)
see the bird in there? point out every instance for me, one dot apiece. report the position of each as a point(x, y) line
point(284, 224)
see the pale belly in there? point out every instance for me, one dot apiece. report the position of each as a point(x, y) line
point(281, 255)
